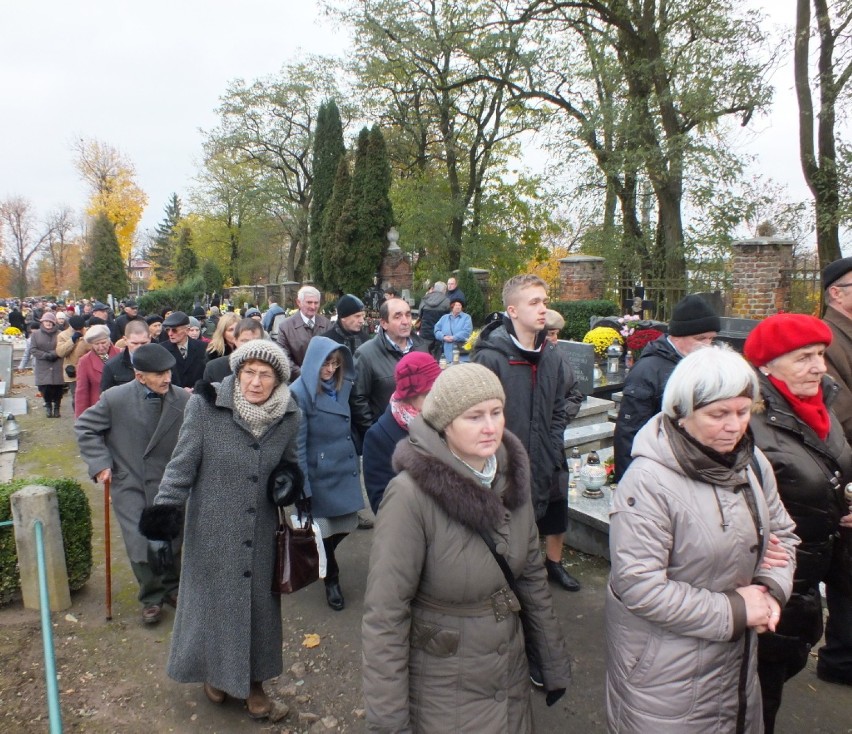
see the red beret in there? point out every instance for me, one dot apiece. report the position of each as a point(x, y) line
point(414, 375)
point(783, 333)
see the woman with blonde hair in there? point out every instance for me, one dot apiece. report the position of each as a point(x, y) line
point(222, 343)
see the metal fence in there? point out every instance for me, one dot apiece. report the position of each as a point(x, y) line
point(655, 298)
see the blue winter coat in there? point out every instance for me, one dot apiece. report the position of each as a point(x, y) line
point(326, 449)
point(379, 445)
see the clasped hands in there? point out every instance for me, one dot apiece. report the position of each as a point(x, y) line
point(762, 609)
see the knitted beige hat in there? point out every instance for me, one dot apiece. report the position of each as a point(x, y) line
point(265, 351)
point(96, 333)
point(459, 388)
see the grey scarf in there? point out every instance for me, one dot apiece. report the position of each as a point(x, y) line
point(260, 417)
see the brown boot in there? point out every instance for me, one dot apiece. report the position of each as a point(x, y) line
point(258, 703)
point(214, 695)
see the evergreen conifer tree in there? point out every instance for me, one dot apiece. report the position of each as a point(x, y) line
point(185, 261)
point(338, 228)
point(162, 250)
point(475, 304)
point(328, 151)
point(103, 272)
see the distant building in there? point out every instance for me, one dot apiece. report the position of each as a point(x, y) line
point(140, 272)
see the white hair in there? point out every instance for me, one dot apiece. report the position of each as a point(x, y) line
point(709, 374)
point(307, 290)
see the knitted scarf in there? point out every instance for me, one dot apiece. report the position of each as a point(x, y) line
point(403, 413)
point(811, 410)
point(260, 417)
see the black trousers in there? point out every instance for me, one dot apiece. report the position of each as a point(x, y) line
point(332, 570)
point(52, 394)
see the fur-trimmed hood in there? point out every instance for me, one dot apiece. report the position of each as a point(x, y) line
point(445, 479)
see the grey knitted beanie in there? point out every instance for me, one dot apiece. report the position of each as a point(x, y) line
point(459, 388)
point(265, 351)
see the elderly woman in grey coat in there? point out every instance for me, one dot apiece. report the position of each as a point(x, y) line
point(227, 630)
point(443, 645)
point(701, 551)
point(326, 451)
point(49, 373)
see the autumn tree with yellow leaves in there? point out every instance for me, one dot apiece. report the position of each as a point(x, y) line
point(111, 178)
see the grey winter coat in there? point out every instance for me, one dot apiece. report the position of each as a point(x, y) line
point(227, 628)
point(436, 656)
point(326, 449)
point(135, 438)
point(49, 369)
point(675, 627)
point(536, 405)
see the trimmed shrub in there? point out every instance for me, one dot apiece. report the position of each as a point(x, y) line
point(75, 517)
point(177, 298)
point(578, 313)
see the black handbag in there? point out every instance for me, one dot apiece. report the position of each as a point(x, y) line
point(296, 556)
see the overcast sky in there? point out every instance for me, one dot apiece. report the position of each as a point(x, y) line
point(145, 76)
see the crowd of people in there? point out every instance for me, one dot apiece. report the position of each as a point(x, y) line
point(729, 513)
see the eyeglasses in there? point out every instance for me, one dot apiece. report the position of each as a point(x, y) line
point(251, 376)
point(175, 328)
point(840, 285)
point(332, 365)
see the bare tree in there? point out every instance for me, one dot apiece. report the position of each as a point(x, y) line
point(60, 224)
point(23, 240)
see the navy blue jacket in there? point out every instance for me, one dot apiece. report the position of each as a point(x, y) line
point(379, 445)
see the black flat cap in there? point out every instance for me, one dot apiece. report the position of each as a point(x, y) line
point(835, 271)
point(154, 318)
point(130, 303)
point(176, 318)
point(98, 306)
point(152, 358)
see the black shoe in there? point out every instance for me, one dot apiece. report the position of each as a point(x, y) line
point(334, 595)
point(557, 573)
point(56, 410)
point(535, 675)
point(48, 410)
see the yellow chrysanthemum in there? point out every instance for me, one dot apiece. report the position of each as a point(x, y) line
point(602, 337)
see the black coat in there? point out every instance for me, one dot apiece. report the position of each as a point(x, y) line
point(375, 362)
point(379, 445)
point(811, 475)
point(536, 406)
point(117, 371)
point(642, 397)
point(349, 339)
point(217, 369)
point(187, 372)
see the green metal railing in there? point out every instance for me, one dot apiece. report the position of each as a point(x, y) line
point(51, 684)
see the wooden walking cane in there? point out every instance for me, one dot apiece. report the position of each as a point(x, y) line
point(107, 553)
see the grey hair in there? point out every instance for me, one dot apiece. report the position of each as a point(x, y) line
point(706, 375)
point(307, 290)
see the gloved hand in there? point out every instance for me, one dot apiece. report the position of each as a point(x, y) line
point(160, 556)
point(51, 356)
point(553, 696)
point(286, 484)
point(75, 337)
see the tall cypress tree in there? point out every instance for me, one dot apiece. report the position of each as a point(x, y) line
point(372, 209)
point(162, 250)
point(327, 152)
point(185, 261)
point(103, 272)
point(337, 230)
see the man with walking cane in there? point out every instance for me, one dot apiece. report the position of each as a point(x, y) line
point(128, 437)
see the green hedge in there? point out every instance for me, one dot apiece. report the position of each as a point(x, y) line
point(75, 516)
point(177, 298)
point(578, 313)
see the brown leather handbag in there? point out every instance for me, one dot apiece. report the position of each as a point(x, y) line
point(296, 556)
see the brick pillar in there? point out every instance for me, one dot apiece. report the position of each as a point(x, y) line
point(761, 283)
point(581, 278)
point(396, 270)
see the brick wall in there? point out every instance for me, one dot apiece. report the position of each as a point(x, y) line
point(581, 278)
point(761, 281)
point(396, 271)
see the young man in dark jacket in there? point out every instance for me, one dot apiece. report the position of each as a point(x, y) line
point(694, 324)
point(517, 351)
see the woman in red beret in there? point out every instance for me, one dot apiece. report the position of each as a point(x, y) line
point(804, 442)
